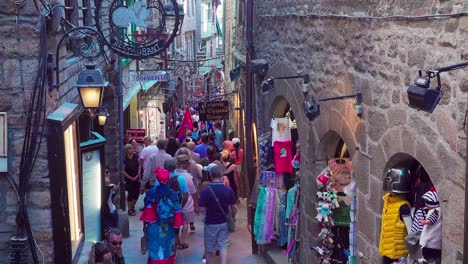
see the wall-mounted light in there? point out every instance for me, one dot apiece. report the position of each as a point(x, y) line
point(312, 108)
point(268, 84)
point(260, 66)
point(91, 86)
point(420, 96)
point(102, 116)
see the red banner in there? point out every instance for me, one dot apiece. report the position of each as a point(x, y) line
point(136, 133)
point(187, 123)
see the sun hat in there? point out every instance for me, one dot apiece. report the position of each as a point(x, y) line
point(183, 158)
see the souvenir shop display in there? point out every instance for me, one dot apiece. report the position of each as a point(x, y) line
point(277, 211)
point(334, 184)
point(282, 151)
point(281, 130)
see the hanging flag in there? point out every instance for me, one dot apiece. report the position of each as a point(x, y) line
point(187, 124)
point(218, 28)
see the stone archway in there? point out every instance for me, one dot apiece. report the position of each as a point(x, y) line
point(418, 183)
point(333, 146)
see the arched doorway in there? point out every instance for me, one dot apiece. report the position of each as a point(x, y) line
point(281, 109)
point(333, 157)
point(405, 178)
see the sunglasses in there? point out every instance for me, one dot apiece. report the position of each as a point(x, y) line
point(115, 243)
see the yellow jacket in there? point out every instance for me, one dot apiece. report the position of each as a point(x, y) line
point(393, 231)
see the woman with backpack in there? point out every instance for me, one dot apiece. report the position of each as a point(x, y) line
point(161, 217)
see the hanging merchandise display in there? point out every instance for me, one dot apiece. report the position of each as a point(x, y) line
point(334, 197)
point(282, 153)
point(296, 161)
point(277, 210)
point(292, 218)
point(280, 129)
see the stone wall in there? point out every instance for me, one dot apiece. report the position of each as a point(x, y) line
point(380, 58)
point(19, 49)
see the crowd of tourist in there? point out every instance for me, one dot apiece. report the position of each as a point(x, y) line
point(180, 178)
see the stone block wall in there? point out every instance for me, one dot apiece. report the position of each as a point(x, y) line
point(19, 50)
point(380, 58)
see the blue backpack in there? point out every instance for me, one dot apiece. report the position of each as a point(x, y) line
point(165, 209)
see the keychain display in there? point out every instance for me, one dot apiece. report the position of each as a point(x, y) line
point(333, 183)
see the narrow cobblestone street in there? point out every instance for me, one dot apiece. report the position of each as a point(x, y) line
point(239, 249)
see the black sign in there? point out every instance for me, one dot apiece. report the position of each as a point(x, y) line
point(216, 110)
point(149, 16)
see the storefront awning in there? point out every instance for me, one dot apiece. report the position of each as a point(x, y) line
point(132, 92)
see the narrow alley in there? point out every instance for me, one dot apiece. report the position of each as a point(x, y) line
point(239, 249)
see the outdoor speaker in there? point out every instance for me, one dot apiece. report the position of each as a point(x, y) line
point(423, 99)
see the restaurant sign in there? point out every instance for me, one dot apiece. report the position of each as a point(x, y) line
point(215, 110)
point(151, 18)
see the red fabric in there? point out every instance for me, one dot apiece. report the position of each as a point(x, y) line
point(187, 123)
point(170, 260)
point(149, 214)
point(178, 220)
point(282, 153)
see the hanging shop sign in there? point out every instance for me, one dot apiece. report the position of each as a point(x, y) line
point(161, 76)
point(216, 110)
point(136, 133)
point(151, 18)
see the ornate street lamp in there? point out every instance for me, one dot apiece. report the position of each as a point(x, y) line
point(91, 86)
point(102, 116)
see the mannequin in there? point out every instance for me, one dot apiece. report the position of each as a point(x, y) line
point(396, 216)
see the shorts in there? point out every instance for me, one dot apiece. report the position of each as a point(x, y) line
point(189, 217)
point(216, 237)
point(133, 189)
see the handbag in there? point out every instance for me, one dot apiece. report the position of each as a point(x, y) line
point(230, 219)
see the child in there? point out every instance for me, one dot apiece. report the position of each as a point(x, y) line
point(431, 236)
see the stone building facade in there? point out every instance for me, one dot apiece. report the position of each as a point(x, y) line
point(376, 48)
point(19, 66)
